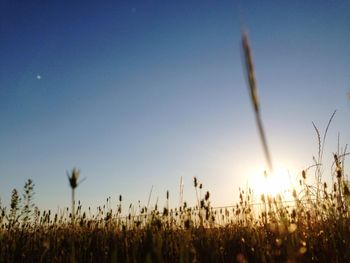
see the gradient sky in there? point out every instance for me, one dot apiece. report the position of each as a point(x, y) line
point(140, 93)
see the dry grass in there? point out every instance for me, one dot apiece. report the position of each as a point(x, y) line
point(305, 230)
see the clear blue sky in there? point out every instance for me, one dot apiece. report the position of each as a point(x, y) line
point(140, 93)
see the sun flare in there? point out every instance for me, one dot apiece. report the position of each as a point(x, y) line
point(280, 181)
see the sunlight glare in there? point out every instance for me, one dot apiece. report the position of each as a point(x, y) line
point(279, 182)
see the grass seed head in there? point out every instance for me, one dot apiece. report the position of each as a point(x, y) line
point(303, 173)
point(73, 179)
point(195, 182)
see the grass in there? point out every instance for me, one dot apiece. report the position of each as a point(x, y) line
point(304, 230)
point(313, 227)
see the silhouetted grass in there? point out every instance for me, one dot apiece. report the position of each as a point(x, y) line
point(306, 230)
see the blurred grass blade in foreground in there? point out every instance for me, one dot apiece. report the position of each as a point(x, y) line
point(250, 74)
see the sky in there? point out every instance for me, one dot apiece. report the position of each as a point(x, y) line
point(138, 94)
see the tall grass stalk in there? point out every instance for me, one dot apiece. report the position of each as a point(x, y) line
point(321, 144)
point(73, 181)
point(250, 74)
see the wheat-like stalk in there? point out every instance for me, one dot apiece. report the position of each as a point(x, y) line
point(254, 97)
point(73, 182)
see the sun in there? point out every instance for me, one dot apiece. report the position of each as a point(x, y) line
point(281, 181)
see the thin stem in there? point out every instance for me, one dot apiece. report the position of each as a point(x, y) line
point(73, 205)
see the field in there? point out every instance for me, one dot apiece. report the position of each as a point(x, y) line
point(315, 227)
